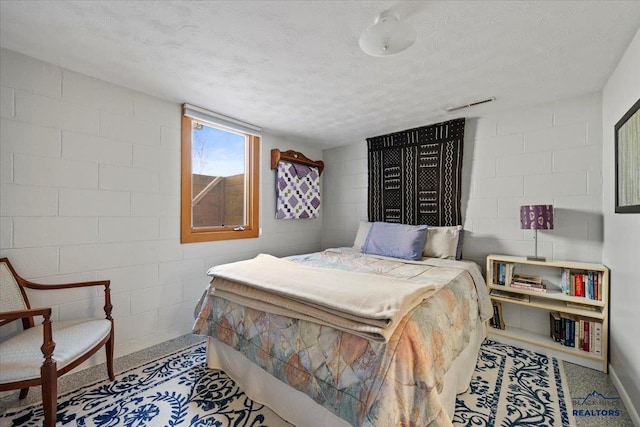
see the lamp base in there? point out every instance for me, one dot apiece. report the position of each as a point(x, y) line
point(536, 258)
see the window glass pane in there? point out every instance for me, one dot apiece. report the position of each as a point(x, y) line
point(218, 159)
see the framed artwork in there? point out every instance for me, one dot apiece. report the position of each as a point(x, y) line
point(627, 154)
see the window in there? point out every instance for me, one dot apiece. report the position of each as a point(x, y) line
point(220, 177)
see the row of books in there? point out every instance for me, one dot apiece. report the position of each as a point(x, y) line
point(576, 331)
point(497, 321)
point(587, 284)
point(502, 273)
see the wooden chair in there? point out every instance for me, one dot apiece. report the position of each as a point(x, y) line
point(28, 359)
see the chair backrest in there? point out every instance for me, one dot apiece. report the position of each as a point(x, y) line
point(12, 296)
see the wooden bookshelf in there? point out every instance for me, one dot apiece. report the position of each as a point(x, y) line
point(553, 299)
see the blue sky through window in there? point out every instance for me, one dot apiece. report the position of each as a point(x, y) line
point(215, 152)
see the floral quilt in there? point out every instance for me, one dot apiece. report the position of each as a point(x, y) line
point(364, 382)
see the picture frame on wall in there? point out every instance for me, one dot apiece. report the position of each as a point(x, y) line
point(627, 158)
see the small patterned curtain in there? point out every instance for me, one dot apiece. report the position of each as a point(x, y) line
point(298, 191)
point(415, 176)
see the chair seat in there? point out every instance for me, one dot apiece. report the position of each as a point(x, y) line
point(21, 357)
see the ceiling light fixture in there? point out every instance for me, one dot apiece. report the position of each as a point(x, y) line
point(387, 36)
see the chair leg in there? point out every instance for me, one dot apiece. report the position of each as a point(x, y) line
point(23, 393)
point(109, 349)
point(49, 394)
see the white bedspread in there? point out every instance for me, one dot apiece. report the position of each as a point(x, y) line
point(332, 297)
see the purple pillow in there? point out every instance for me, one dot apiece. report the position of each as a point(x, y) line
point(396, 240)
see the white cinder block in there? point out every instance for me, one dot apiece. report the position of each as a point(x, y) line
point(6, 168)
point(146, 299)
point(498, 187)
point(54, 231)
point(154, 205)
point(128, 229)
point(510, 207)
point(587, 158)
point(182, 270)
point(588, 251)
point(80, 146)
point(589, 203)
point(56, 113)
point(156, 251)
point(481, 127)
point(482, 208)
point(116, 126)
point(128, 278)
point(6, 233)
point(54, 172)
point(32, 263)
point(569, 224)
point(150, 109)
point(93, 257)
point(568, 136)
point(121, 305)
point(82, 309)
point(478, 247)
point(85, 90)
point(136, 326)
point(29, 74)
point(497, 228)
point(170, 138)
point(23, 200)
point(193, 289)
point(170, 228)
point(524, 164)
point(483, 165)
point(586, 108)
point(6, 102)
point(170, 176)
point(94, 203)
point(25, 138)
point(561, 184)
point(128, 179)
point(172, 293)
point(178, 318)
point(538, 117)
point(146, 157)
point(500, 145)
point(594, 182)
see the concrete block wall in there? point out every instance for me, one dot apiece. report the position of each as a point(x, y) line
point(546, 154)
point(90, 189)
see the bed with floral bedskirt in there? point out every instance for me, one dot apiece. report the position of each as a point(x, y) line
point(364, 382)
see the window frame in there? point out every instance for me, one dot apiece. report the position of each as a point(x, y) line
point(190, 234)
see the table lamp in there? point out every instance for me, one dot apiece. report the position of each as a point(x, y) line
point(536, 217)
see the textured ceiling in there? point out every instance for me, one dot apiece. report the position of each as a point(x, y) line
point(295, 68)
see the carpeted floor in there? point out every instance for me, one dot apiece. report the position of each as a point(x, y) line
point(169, 384)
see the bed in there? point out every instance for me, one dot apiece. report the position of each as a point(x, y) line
point(315, 373)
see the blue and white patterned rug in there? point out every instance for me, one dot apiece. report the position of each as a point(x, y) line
point(511, 387)
point(514, 387)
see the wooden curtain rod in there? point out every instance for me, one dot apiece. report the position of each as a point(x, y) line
point(294, 157)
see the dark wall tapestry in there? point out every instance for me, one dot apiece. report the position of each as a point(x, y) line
point(415, 176)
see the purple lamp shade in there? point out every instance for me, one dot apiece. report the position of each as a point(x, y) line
point(536, 217)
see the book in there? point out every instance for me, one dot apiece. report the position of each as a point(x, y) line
point(527, 279)
point(510, 295)
point(554, 325)
point(581, 306)
point(565, 281)
point(528, 287)
point(497, 320)
point(579, 285)
point(597, 344)
point(587, 327)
